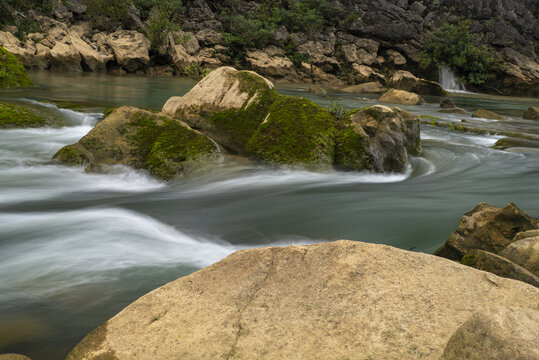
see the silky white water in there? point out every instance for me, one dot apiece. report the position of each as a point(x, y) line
point(448, 80)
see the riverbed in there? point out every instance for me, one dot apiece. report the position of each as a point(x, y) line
point(76, 247)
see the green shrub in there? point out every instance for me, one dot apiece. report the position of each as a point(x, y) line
point(115, 10)
point(455, 46)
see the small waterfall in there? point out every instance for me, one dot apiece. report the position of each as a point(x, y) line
point(448, 80)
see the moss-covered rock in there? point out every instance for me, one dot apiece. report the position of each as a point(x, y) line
point(17, 116)
point(487, 114)
point(295, 132)
point(227, 105)
point(377, 138)
point(532, 113)
point(130, 136)
point(12, 71)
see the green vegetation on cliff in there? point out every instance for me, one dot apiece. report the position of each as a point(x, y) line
point(12, 72)
point(455, 46)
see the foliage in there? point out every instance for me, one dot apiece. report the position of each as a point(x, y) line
point(115, 10)
point(455, 46)
point(173, 7)
point(244, 33)
point(336, 109)
point(194, 71)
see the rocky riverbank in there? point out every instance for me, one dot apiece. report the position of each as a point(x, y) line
point(356, 42)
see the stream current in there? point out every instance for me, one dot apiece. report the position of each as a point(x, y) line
point(76, 247)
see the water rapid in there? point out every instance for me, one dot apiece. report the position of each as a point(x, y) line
point(448, 80)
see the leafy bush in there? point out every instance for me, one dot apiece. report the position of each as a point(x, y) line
point(115, 10)
point(454, 46)
point(244, 33)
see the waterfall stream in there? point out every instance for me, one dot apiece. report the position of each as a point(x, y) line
point(448, 80)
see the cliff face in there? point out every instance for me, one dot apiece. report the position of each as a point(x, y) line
point(351, 41)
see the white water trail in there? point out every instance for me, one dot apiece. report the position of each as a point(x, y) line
point(73, 117)
point(448, 80)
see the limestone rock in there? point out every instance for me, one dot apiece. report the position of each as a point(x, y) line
point(65, 58)
point(403, 80)
point(401, 97)
point(11, 44)
point(498, 265)
point(386, 138)
point(129, 136)
point(181, 58)
point(42, 57)
point(486, 227)
point(487, 114)
point(508, 143)
point(209, 37)
point(295, 132)
point(91, 60)
point(13, 357)
point(496, 333)
point(273, 66)
point(13, 72)
point(526, 234)
point(373, 87)
point(447, 104)
point(227, 105)
point(532, 113)
point(525, 253)
point(326, 301)
point(131, 49)
point(396, 57)
point(363, 73)
point(187, 39)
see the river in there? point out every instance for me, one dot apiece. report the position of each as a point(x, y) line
point(76, 248)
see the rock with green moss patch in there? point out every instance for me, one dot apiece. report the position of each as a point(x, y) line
point(532, 113)
point(403, 97)
point(12, 71)
point(17, 116)
point(130, 136)
point(227, 105)
point(487, 114)
point(377, 138)
point(295, 132)
point(507, 143)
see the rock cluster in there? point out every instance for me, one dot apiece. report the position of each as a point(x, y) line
point(327, 301)
point(504, 241)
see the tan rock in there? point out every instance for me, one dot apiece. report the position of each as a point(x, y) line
point(403, 80)
point(91, 59)
point(356, 55)
point(13, 357)
point(327, 301)
point(65, 58)
point(273, 66)
point(315, 89)
point(455, 110)
point(371, 87)
point(496, 333)
point(396, 57)
point(363, 73)
point(187, 39)
point(525, 253)
point(181, 58)
point(131, 49)
point(9, 42)
point(526, 234)
point(401, 97)
point(486, 227)
point(42, 56)
point(487, 114)
point(532, 113)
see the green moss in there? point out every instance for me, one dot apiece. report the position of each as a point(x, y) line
point(297, 132)
point(435, 118)
point(164, 145)
point(469, 260)
point(72, 155)
point(12, 115)
point(352, 149)
point(238, 125)
point(12, 72)
point(109, 111)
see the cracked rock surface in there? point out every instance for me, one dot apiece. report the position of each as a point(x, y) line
point(340, 300)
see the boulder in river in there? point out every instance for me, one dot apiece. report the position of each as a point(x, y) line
point(532, 113)
point(164, 146)
point(487, 114)
point(496, 333)
point(12, 71)
point(401, 97)
point(325, 301)
point(228, 105)
point(18, 116)
point(377, 138)
point(373, 87)
point(447, 104)
point(315, 89)
point(486, 227)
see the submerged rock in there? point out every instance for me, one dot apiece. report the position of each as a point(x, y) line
point(12, 71)
point(487, 114)
point(532, 113)
point(129, 136)
point(507, 143)
point(401, 97)
point(377, 138)
point(296, 131)
point(496, 333)
point(228, 105)
point(326, 301)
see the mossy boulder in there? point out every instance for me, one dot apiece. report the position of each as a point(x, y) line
point(507, 143)
point(227, 105)
point(12, 71)
point(130, 136)
point(487, 114)
point(532, 113)
point(377, 138)
point(17, 116)
point(295, 132)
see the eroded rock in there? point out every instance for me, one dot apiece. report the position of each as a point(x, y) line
point(131, 49)
point(401, 97)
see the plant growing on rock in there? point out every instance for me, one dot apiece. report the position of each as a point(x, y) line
point(455, 46)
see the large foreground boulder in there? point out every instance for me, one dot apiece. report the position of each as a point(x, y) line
point(12, 71)
point(228, 105)
point(341, 300)
point(129, 136)
point(377, 138)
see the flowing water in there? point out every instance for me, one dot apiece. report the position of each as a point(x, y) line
point(448, 80)
point(75, 247)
